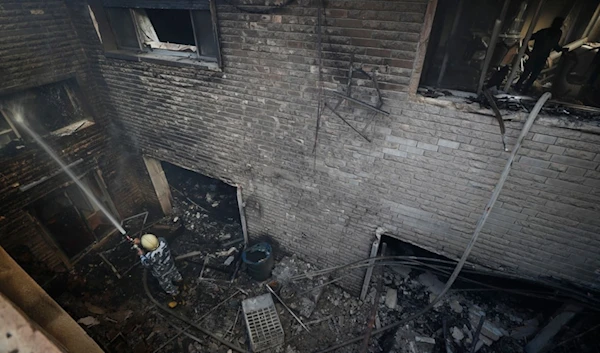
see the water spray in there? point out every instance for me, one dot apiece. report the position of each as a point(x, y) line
point(19, 120)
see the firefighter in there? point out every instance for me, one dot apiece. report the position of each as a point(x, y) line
point(158, 259)
point(546, 40)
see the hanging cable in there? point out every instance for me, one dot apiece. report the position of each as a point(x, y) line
point(486, 212)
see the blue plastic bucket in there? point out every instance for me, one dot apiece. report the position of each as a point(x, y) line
point(259, 261)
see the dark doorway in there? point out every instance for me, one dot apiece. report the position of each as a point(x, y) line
point(62, 219)
point(207, 207)
point(72, 220)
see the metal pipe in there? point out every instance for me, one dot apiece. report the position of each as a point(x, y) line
point(450, 38)
point(486, 212)
point(513, 71)
point(347, 123)
point(287, 308)
point(492, 45)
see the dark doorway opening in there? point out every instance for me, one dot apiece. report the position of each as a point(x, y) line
point(72, 220)
point(207, 207)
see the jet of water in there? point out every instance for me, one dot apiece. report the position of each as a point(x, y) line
point(19, 120)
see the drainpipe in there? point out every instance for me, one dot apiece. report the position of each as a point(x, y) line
point(513, 71)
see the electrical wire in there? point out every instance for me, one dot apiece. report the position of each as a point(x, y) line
point(421, 261)
point(547, 295)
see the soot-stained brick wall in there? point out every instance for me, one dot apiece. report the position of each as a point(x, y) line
point(40, 45)
point(425, 177)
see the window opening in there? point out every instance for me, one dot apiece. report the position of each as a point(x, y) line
point(183, 33)
point(475, 45)
point(46, 109)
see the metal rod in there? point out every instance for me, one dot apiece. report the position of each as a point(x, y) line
point(354, 100)
point(492, 45)
point(373, 313)
point(447, 340)
point(112, 267)
point(513, 71)
point(486, 212)
point(369, 273)
point(185, 319)
point(230, 330)
point(159, 349)
point(217, 306)
point(287, 308)
point(477, 332)
point(449, 42)
point(242, 211)
point(347, 123)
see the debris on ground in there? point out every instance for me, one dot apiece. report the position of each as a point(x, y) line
point(216, 285)
point(88, 321)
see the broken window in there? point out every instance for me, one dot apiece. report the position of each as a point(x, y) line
point(182, 33)
point(46, 109)
point(8, 132)
point(517, 46)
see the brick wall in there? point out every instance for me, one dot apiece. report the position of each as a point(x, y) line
point(39, 45)
point(425, 177)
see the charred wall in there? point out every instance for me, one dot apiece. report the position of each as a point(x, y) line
point(425, 177)
point(39, 45)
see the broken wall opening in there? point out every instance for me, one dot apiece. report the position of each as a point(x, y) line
point(52, 108)
point(71, 219)
point(476, 45)
point(514, 310)
point(204, 205)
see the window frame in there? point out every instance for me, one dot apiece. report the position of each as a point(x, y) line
point(11, 128)
point(167, 54)
point(76, 97)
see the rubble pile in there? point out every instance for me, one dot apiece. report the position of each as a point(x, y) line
point(199, 220)
point(406, 291)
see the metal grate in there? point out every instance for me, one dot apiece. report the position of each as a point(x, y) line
point(262, 321)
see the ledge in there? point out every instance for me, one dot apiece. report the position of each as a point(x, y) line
point(162, 59)
point(463, 101)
